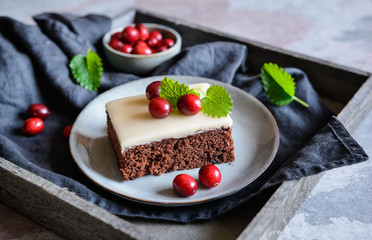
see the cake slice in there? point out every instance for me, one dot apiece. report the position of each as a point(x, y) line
point(144, 145)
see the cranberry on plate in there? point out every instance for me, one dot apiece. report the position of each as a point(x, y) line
point(209, 176)
point(185, 185)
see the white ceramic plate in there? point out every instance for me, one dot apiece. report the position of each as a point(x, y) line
point(255, 134)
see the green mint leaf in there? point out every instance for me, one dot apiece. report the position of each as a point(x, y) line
point(279, 85)
point(87, 70)
point(217, 102)
point(171, 91)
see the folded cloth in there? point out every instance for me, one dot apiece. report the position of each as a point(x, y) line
point(34, 68)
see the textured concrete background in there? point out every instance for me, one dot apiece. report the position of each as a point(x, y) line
point(339, 31)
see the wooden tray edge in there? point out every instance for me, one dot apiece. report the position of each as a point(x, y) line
point(59, 209)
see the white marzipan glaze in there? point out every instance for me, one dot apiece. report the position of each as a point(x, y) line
point(134, 125)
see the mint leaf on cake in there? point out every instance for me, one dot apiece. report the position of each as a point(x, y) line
point(87, 70)
point(216, 101)
point(172, 91)
point(279, 85)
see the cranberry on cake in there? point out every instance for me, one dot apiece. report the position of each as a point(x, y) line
point(146, 145)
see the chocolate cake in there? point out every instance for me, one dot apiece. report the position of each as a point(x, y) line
point(144, 145)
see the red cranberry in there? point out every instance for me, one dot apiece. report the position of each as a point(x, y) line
point(156, 34)
point(116, 44)
point(142, 48)
point(159, 107)
point(162, 48)
point(185, 185)
point(154, 50)
point(126, 48)
point(153, 42)
point(189, 104)
point(33, 126)
point(38, 110)
point(117, 35)
point(67, 131)
point(130, 34)
point(152, 90)
point(209, 176)
point(168, 42)
point(143, 31)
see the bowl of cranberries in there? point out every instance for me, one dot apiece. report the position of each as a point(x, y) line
point(139, 48)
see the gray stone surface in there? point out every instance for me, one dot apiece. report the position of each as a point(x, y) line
point(339, 31)
point(340, 206)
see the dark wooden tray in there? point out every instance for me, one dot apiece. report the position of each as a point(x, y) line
point(347, 92)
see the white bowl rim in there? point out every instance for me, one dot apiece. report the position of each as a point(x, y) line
point(107, 35)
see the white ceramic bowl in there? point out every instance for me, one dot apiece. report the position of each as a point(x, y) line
point(141, 64)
